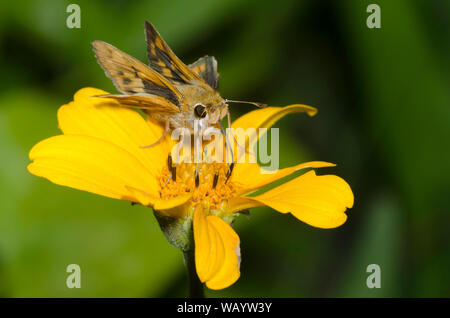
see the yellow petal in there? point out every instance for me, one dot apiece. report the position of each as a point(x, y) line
point(141, 196)
point(105, 119)
point(90, 164)
point(217, 251)
point(266, 117)
point(167, 204)
point(249, 176)
point(173, 207)
point(261, 118)
point(319, 201)
point(238, 204)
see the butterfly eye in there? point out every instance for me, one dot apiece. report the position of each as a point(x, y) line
point(200, 111)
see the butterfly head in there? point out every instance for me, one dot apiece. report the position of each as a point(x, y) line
point(208, 112)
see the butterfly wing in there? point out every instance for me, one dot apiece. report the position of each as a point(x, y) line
point(140, 84)
point(206, 68)
point(164, 61)
point(152, 103)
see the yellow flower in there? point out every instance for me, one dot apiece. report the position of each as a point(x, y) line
point(101, 152)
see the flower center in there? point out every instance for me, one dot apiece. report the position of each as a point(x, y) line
point(210, 186)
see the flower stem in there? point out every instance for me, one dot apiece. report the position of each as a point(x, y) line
point(195, 285)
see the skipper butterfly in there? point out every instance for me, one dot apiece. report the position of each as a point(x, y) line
point(167, 90)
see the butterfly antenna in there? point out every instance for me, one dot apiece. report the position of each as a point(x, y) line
point(259, 105)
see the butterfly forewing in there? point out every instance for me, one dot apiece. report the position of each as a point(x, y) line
point(164, 61)
point(154, 104)
point(131, 76)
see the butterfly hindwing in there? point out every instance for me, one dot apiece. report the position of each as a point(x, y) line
point(206, 68)
point(131, 76)
point(164, 61)
point(154, 104)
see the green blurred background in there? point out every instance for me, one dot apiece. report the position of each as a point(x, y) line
point(383, 99)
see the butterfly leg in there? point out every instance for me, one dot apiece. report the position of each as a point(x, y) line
point(227, 146)
point(234, 138)
point(197, 177)
point(230, 171)
point(166, 130)
point(172, 169)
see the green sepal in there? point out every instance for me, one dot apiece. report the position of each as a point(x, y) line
point(178, 231)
